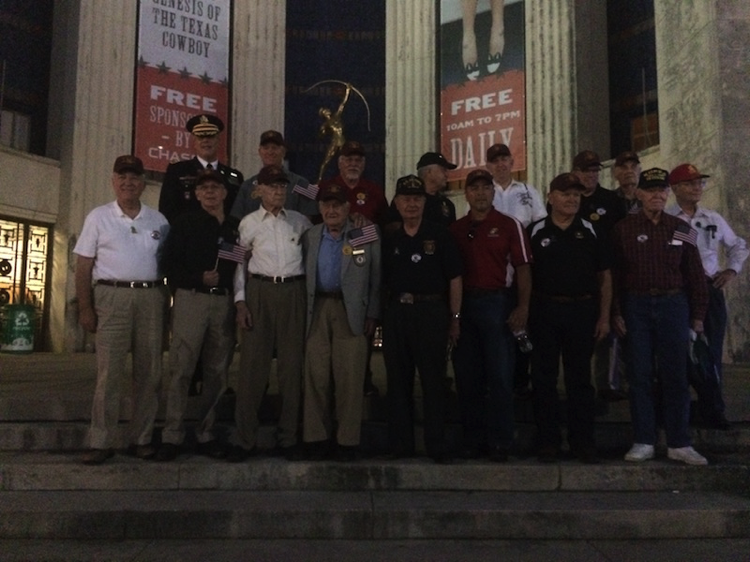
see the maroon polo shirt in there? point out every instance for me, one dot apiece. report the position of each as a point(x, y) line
point(488, 246)
point(366, 198)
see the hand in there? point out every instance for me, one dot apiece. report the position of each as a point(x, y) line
point(87, 319)
point(370, 325)
point(454, 332)
point(244, 319)
point(211, 278)
point(618, 323)
point(697, 326)
point(517, 319)
point(248, 254)
point(723, 278)
point(602, 328)
point(359, 220)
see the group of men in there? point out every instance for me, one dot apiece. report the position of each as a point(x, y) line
point(306, 272)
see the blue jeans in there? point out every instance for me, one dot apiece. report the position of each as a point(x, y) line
point(710, 399)
point(656, 346)
point(483, 363)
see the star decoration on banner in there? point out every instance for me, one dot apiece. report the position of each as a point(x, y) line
point(184, 72)
point(163, 68)
point(224, 83)
point(205, 78)
point(142, 62)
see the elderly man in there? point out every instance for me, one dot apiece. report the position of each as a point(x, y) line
point(118, 255)
point(570, 310)
point(198, 271)
point(365, 197)
point(490, 244)
point(422, 281)
point(517, 199)
point(626, 170)
point(178, 189)
point(660, 293)
point(713, 233)
point(299, 196)
point(269, 295)
point(600, 206)
point(342, 264)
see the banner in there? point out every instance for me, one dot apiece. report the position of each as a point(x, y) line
point(483, 83)
point(183, 70)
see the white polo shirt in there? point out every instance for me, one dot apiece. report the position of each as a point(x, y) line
point(123, 249)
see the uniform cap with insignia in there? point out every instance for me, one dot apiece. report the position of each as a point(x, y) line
point(272, 174)
point(128, 163)
point(496, 150)
point(685, 172)
point(410, 185)
point(209, 175)
point(205, 125)
point(430, 158)
point(478, 175)
point(566, 181)
point(352, 147)
point(272, 136)
point(586, 159)
point(653, 178)
point(332, 191)
point(627, 156)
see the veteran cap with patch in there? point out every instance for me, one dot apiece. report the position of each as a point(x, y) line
point(128, 163)
point(209, 175)
point(332, 192)
point(653, 178)
point(273, 137)
point(272, 174)
point(566, 181)
point(410, 185)
point(351, 148)
point(586, 159)
point(627, 156)
point(496, 150)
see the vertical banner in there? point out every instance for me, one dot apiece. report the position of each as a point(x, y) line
point(482, 81)
point(183, 70)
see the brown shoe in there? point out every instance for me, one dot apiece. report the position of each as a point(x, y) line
point(97, 456)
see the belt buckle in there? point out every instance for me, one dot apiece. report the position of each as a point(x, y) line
point(406, 298)
point(277, 279)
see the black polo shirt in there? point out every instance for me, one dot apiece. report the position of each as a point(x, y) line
point(566, 262)
point(192, 247)
point(603, 209)
point(422, 264)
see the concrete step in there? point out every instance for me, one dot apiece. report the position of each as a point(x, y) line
point(363, 515)
point(64, 472)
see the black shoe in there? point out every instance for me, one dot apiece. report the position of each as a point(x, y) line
point(293, 453)
point(167, 452)
point(587, 455)
point(240, 454)
point(370, 389)
point(471, 453)
point(523, 392)
point(317, 450)
point(143, 452)
point(548, 453)
point(347, 453)
point(442, 458)
point(612, 394)
point(498, 454)
point(97, 456)
point(214, 449)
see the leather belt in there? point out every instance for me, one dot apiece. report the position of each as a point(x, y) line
point(657, 292)
point(563, 298)
point(130, 284)
point(277, 278)
point(411, 298)
point(213, 291)
point(338, 295)
point(479, 292)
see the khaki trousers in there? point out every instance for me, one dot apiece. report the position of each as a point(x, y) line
point(278, 314)
point(127, 320)
point(202, 326)
point(332, 349)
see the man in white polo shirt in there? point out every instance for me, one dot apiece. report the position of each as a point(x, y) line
point(121, 297)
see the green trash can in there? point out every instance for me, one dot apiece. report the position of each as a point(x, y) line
point(18, 328)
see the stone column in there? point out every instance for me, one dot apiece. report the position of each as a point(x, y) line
point(411, 91)
point(703, 57)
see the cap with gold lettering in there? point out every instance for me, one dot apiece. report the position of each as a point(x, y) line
point(410, 185)
point(653, 178)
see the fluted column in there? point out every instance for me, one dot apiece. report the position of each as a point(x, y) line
point(259, 50)
point(411, 92)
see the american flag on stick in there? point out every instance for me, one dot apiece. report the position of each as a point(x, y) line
point(364, 235)
point(686, 233)
point(310, 190)
point(231, 252)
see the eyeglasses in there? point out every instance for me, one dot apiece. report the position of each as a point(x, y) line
point(699, 182)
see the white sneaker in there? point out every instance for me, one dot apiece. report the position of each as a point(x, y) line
point(640, 452)
point(688, 455)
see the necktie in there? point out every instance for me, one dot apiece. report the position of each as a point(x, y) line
point(210, 167)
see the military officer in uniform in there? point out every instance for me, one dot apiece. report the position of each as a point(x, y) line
point(422, 281)
point(178, 190)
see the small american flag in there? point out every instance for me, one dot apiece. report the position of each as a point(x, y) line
point(686, 233)
point(231, 252)
point(310, 190)
point(360, 236)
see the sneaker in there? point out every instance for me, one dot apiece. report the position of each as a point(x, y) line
point(640, 452)
point(688, 455)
